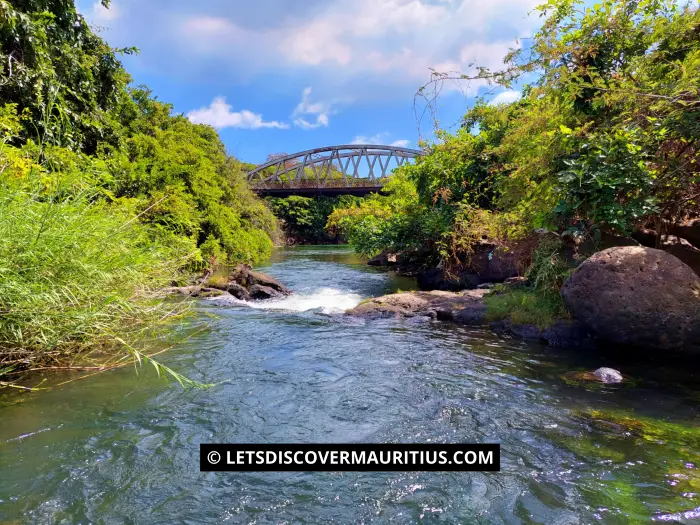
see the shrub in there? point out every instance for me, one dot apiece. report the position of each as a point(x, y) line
point(549, 268)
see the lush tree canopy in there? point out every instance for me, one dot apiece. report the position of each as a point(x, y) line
point(605, 140)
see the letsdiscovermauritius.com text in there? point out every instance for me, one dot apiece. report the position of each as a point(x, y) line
point(349, 457)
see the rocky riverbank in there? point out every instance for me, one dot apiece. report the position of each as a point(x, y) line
point(468, 308)
point(626, 296)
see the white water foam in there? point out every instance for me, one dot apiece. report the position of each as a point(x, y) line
point(329, 300)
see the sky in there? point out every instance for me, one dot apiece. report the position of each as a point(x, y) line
point(277, 76)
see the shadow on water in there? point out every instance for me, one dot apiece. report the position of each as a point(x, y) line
point(123, 448)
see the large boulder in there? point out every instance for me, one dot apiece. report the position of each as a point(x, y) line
point(636, 296)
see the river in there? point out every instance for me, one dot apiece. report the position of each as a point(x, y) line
point(123, 448)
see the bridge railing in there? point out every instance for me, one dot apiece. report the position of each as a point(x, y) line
point(332, 167)
point(327, 183)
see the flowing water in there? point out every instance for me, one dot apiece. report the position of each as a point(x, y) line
point(121, 448)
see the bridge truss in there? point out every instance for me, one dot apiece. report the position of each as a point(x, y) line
point(351, 168)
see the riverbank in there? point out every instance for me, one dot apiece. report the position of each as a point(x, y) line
point(629, 296)
point(476, 308)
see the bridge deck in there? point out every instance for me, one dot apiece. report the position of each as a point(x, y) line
point(357, 191)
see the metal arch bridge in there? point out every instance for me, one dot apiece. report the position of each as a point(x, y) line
point(333, 170)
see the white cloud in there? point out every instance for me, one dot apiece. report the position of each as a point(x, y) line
point(379, 139)
point(506, 97)
point(219, 115)
point(319, 110)
point(367, 44)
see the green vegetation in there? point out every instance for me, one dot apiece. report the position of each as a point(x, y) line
point(525, 306)
point(604, 140)
point(304, 219)
point(538, 303)
point(106, 195)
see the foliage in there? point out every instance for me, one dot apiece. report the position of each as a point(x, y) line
point(627, 75)
point(106, 194)
point(395, 220)
point(525, 306)
point(305, 218)
point(60, 71)
point(187, 183)
point(549, 268)
point(605, 139)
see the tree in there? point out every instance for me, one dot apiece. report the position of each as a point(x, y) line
point(55, 67)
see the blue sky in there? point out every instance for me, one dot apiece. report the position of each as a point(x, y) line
point(287, 75)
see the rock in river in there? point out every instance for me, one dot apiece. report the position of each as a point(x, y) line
point(608, 375)
point(244, 275)
point(245, 284)
point(636, 296)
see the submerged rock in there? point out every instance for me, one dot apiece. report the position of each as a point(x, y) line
point(636, 296)
point(566, 333)
point(608, 376)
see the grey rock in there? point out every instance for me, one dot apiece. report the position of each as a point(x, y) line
point(689, 230)
point(636, 296)
point(608, 375)
point(258, 291)
point(246, 277)
point(683, 250)
point(238, 291)
point(471, 315)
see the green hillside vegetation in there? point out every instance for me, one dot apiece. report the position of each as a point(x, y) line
point(107, 195)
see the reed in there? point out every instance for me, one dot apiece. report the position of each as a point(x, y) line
point(77, 278)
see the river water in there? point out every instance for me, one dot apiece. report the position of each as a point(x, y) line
point(122, 448)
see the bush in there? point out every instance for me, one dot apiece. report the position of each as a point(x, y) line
point(549, 268)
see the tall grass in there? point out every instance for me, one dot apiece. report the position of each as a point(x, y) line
point(77, 275)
